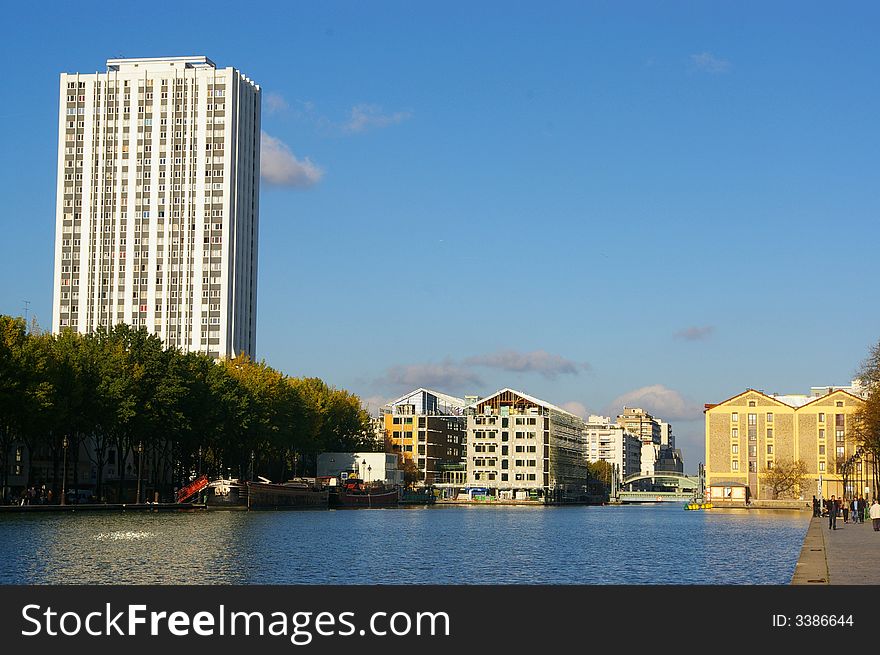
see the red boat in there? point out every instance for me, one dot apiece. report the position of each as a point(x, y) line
point(354, 493)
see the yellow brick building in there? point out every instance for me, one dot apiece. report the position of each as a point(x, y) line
point(748, 433)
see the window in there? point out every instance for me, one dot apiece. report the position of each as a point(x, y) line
point(821, 433)
point(770, 449)
point(769, 464)
point(753, 419)
point(734, 449)
point(753, 467)
point(822, 450)
point(839, 403)
point(735, 417)
point(769, 433)
point(734, 465)
point(753, 451)
point(822, 467)
point(752, 403)
point(821, 417)
point(734, 433)
point(769, 417)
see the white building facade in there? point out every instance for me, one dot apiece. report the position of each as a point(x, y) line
point(523, 448)
point(158, 203)
point(613, 444)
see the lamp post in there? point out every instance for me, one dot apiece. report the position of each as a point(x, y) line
point(65, 443)
point(369, 469)
point(140, 451)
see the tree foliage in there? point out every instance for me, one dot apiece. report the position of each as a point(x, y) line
point(183, 412)
point(786, 478)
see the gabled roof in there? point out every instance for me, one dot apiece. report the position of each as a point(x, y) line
point(834, 393)
point(795, 401)
point(525, 396)
point(449, 400)
point(760, 393)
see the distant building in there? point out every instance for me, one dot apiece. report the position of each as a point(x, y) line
point(658, 452)
point(612, 443)
point(749, 433)
point(521, 447)
point(427, 428)
point(369, 467)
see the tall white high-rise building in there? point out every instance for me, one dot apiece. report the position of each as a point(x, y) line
point(158, 202)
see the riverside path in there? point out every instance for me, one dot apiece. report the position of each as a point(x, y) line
point(849, 555)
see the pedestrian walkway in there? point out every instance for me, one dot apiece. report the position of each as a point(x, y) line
point(849, 555)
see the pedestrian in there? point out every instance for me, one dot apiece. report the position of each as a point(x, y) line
point(844, 505)
point(874, 513)
point(816, 511)
point(854, 510)
point(863, 508)
point(832, 513)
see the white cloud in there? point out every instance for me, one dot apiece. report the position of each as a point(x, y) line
point(695, 333)
point(663, 403)
point(576, 408)
point(275, 103)
point(537, 361)
point(373, 403)
point(709, 63)
point(444, 376)
point(279, 166)
point(365, 116)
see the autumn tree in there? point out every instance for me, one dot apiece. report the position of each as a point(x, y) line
point(785, 478)
point(866, 423)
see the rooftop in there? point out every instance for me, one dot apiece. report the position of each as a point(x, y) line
point(159, 63)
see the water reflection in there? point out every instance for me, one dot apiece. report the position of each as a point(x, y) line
point(473, 545)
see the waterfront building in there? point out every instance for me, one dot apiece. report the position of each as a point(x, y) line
point(158, 202)
point(428, 428)
point(749, 433)
point(612, 443)
point(520, 447)
point(369, 467)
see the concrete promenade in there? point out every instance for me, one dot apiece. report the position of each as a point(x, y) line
point(849, 555)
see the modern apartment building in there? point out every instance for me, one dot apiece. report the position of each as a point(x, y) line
point(158, 202)
point(612, 443)
point(427, 428)
point(649, 431)
point(750, 433)
point(520, 447)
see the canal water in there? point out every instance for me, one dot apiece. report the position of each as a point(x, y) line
point(635, 544)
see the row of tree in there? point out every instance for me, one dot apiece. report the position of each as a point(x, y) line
point(867, 419)
point(121, 391)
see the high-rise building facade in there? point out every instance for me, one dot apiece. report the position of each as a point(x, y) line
point(613, 444)
point(158, 202)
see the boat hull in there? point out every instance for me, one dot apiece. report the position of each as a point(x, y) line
point(227, 493)
point(343, 499)
point(261, 495)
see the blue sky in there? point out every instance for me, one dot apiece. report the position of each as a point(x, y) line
point(597, 203)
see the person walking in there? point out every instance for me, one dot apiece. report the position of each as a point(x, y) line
point(874, 513)
point(832, 513)
point(844, 505)
point(816, 511)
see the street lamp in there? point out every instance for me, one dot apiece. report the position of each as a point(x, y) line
point(140, 450)
point(65, 443)
point(369, 469)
